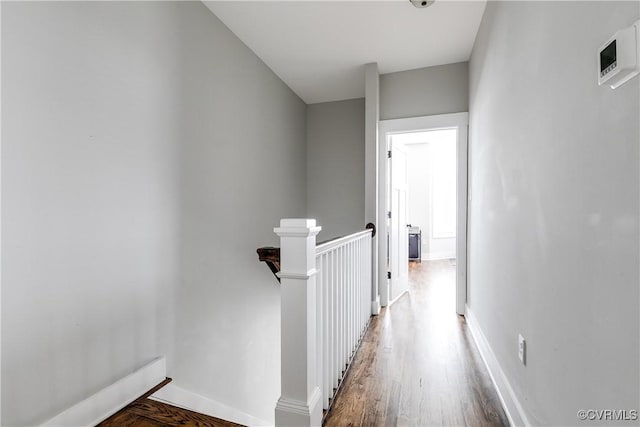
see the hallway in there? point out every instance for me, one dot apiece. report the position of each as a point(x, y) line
point(418, 364)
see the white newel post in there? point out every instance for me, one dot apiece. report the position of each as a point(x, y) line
point(300, 401)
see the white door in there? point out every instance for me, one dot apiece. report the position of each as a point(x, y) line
point(398, 234)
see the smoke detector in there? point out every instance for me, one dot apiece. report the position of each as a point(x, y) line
point(422, 3)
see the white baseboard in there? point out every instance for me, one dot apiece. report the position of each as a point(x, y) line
point(375, 307)
point(398, 297)
point(176, 396)
point(510, 403)
point(111, 399)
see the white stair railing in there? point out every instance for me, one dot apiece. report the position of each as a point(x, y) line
point(343, 300)
point(325, 309)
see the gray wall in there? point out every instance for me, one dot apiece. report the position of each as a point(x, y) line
point(146, 154)
point(553, 245)
point(242, 169)
point(335, 166)
point(425, 91)
point(89, 202)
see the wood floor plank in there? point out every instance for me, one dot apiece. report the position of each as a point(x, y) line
point(418, 364)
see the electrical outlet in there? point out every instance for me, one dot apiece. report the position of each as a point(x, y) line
point(522, 349)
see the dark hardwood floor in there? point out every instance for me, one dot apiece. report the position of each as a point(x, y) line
point(418, 364)
point(145, 412)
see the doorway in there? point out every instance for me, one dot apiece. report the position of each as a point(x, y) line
point(423, 178)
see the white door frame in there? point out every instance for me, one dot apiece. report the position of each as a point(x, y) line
point(386, 128)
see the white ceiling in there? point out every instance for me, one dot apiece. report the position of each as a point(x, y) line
point(318, 48)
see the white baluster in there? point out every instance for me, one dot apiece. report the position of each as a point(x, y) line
point(347, 323)
point(356, 305)
point(366, 312)
point(352, 299)
point(320, 322)
point(345, 303)
point(360, 279)
point(326, 381)
point(340, 310)
point(356, 299)
point(336, 317)
point(362, 284)
point(369, 255)
point(354, 266)
point(366, 284)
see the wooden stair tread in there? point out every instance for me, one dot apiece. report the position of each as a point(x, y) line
point(169, 415)
point(145, 412)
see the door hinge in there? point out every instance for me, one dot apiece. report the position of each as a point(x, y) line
point(389, 154)
point(388, 275)
point(389, 214)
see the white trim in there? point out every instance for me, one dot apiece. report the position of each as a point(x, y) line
point(297, 232)
point(297, 275)
point(416, 124)
point(296, 413)
point(375, 307)
point(111, 399)
point(177, 396)
point(424, 123)
point(332, 244)
point(293, 406)
point(298, 407)
point(382, 259)
point(0, 211)
point(406, 291)
point(462, 168)
point(512, 406)
point(371, 168)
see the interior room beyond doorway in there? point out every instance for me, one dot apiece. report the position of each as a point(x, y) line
point(431, 193)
